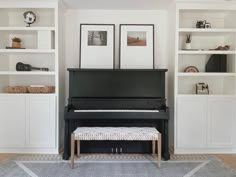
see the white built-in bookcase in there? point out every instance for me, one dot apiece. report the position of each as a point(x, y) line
point(12, 25)
point(203, 123)
point(29, 122)
point(223, 32)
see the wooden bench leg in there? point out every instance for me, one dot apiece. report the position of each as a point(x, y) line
point(72, 151)
point(153, 148)
point(159, 149)
point(78, 148)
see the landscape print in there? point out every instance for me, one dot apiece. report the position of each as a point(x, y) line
point(136, 38)
point(97, 38)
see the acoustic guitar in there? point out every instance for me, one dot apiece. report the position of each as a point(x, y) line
point(27, 67)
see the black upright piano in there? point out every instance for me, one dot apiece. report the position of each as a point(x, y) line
point(115, 97)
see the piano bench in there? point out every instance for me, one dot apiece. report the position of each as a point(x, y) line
point(116, 133)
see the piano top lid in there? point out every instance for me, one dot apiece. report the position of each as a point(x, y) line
point(119, 83)
point(115, 70)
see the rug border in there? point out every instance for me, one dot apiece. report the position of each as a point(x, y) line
point(189, 174)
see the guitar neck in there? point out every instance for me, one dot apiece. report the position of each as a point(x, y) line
point(41, 69)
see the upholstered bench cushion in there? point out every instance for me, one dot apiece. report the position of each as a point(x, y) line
point(116, 133)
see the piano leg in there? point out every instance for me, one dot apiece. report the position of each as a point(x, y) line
point(165, 140)
point(66, 153)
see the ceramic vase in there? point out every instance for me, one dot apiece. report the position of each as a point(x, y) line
point(187, 46)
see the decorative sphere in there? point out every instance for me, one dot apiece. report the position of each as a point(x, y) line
point(29, 17)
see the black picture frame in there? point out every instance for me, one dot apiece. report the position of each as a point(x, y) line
point(97, 46)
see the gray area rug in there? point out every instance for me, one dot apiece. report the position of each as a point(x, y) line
point(115, 168)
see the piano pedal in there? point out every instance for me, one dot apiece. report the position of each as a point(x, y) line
point(112, 151)
point(120, 151)
point(116, 150)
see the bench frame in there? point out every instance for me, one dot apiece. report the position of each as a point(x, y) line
point(154, 141)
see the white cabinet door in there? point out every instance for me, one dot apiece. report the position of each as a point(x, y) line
point(42, 121)
point(12, 121)
point(221, 115)
point(191, 122)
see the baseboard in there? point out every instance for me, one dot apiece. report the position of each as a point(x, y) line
point(30, 150)
point(204, 151)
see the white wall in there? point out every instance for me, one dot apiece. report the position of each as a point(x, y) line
point(61, 48)
point(171, 68)
point(73, 19)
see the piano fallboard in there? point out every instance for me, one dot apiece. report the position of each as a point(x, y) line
point(76, 103)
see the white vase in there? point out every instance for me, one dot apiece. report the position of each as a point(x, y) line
point(187, 46)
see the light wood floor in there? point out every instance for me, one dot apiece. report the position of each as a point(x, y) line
point(228, 159)
point(7, 156)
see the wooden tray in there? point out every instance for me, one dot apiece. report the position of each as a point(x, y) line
point(30, 89)
point(16, 89)
point(43, 89)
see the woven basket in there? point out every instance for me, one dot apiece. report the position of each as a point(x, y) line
point(16, 89)
point(45, 89)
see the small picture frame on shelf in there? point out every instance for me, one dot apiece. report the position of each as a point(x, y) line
point(97, 46)
point(202, 88)
point(136, 46)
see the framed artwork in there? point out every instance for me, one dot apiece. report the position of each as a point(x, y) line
point(136, 46)
point(97, 46)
